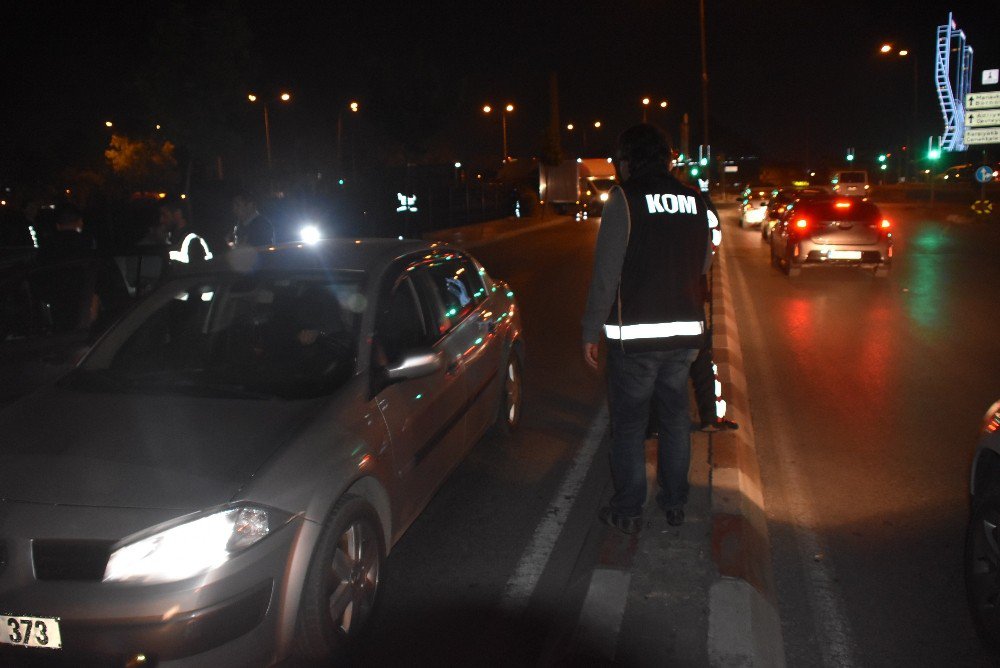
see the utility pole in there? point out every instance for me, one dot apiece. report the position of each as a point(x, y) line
point(704, 77)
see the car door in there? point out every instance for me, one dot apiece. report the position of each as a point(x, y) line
point(426, 416)
point(460, 288)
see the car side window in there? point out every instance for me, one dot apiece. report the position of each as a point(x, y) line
point(401, 325)
point(457, 288)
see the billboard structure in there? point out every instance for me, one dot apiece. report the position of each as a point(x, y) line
point(954, 81)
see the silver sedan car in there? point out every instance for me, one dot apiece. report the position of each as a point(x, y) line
point(220, 479)
point(823, 232)
point(982, 535)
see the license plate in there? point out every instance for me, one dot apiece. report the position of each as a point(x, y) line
point(30, 631)
point(844, 255)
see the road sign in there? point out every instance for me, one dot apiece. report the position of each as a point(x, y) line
point(982, 135)
point(983, 207)
point(984, 174)
point(982, 100)
point(982, 117)
point(991, 77)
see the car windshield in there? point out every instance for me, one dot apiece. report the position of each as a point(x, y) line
point(838, 210)
point(602, 184)
point(286, 335)
point(852, 177)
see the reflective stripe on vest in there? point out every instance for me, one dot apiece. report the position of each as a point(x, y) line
point(182, 254)
point(659, 330)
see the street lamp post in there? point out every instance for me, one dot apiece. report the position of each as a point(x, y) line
point(887, 48)
point(284, 97)
point(503, 122)
point(353, 106)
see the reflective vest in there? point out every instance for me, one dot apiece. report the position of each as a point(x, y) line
point(182, 255)
point(659, 305)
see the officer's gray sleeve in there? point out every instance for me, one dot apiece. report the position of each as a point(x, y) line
point(612, 239)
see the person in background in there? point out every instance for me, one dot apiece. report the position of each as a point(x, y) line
point(652, 250)
point(69, 241)
point(186, 245)
point(252, 228)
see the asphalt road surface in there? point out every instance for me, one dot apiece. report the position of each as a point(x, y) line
point(866, 395)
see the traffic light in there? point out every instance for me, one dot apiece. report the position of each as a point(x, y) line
point(850, 156)
point(694, 170)
point(881, 157)
point(703, 161)
point(934, 153)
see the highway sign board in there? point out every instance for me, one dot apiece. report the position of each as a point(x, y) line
point(982, 100)
point(991, 77)
point(982, 135)
point(982, 117)
point(984, 174)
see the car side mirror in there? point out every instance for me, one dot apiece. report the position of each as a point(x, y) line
point(414, 364)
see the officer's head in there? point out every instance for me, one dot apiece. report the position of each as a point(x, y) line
point(641, 147)
point(172, 213)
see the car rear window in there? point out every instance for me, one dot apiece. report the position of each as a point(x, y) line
point(852, 177)
point(838, 210)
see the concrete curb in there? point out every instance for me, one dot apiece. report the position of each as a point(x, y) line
point(744, 624)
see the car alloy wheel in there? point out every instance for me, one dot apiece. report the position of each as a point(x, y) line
point(982, 567)
point(511, 395)
point(342, 586)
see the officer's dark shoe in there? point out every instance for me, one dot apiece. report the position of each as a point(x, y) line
point(627, 525)
point(720, 424)
point(675, 517)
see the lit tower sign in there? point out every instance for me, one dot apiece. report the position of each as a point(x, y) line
point(954, 81)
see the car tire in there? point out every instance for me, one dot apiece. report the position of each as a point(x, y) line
point(792, 269)
point(508, 417)
point(342, 585)
point(981, 564)
point(881, 271)
point(741, 222)
point(774, 257)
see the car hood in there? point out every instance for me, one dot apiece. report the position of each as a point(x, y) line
point(138, 451)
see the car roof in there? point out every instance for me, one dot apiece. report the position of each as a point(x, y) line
point(364, 254)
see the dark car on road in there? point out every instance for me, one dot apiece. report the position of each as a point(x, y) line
point(782, 198)
point(982, 536)
point(832, 231)
point(235, 457)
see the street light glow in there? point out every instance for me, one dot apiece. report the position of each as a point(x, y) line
point(663, 105)
point(904, 52)
point(510, 107)
point(252, 97)
point(108, 124)
point(569, 126)
point(487, 109)
point(285, 97)
point(354, 107)
point(597, 124)
point(886, 48)
point(645, 101)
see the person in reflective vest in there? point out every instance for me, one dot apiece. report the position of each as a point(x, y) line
point(646, 294)
point(186, 245)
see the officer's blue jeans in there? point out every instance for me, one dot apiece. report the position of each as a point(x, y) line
point(635, 381)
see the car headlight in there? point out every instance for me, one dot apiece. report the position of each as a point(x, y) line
point(310, 234)
point(991, 421)
point(195, 545)
point(604, 197)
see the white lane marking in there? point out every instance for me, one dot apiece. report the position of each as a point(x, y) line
point(529, 570)
point(830, 621)
point(602, 613)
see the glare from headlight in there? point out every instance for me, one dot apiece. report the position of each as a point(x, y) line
point(310, 234)
point(604, 197)
point(188, 549)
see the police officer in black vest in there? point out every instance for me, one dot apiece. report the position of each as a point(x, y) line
point(646, 294)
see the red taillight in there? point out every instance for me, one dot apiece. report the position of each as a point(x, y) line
point(843, 205)
point(885, 224)
point(801, 223)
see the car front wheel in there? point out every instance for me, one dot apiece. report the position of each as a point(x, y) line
point(342, 585)
point(982, 567)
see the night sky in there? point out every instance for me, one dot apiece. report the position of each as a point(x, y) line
point(788, 81)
